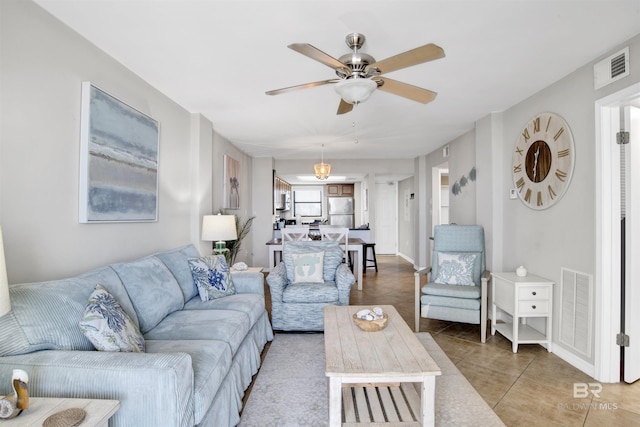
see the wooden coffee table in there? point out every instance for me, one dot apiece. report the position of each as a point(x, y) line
point(372, 371)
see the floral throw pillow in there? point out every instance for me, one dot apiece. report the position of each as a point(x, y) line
point(308, 268)
point(108, 326)
point(211, 276)
point(455, 269)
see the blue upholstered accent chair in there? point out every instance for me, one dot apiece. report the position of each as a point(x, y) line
point(456, 288)
point(297, 298)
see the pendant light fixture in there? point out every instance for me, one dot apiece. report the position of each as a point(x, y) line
point(322, 169)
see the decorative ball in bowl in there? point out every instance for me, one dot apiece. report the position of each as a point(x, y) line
point(371, 320)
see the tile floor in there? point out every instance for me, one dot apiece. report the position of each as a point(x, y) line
point(529, 388)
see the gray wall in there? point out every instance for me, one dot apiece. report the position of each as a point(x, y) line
point(563, 235)
point(42, 65)
point(543, 241)
point(462, 160)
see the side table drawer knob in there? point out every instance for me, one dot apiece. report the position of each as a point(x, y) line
point(533, 306)
point(533, 293)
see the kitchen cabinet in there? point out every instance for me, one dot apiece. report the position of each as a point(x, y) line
point(334, 190)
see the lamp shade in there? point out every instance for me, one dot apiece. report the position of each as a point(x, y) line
point(5, 302)
point(322, 170)
point(219, 227)
point(355, 90)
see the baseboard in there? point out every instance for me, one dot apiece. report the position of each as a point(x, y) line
point(574, 360)
point(401, 255)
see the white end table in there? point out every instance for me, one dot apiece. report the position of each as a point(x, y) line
point(40, 408)
point(521, 298)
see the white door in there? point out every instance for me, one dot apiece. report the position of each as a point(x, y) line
point(632, 277)
point(386, 218)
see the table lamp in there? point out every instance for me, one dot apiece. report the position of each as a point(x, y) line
point(218, 228)
point(5, 303)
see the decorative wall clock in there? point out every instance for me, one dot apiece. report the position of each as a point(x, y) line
point(543, 161)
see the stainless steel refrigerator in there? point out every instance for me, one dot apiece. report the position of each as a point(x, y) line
point(340, 211)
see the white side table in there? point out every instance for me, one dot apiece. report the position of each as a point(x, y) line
point(521, 298)
point(40, 408)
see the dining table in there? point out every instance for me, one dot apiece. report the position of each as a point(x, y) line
point(354, 247)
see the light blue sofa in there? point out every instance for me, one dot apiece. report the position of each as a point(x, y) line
point(300, 306)
point(200, 356)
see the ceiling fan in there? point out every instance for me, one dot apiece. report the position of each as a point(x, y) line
point(359, 74)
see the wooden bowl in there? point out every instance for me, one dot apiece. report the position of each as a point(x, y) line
point(372, 325)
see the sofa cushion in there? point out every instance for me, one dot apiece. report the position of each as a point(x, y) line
point(311, 293)
point(210, 360)
point(176, 261)
point(332, 256)
point(250, 304)
point(44, 318)
point(455, 269)
point(212, 277)
point(222, 325)
point(152, 288)
point(108, 326)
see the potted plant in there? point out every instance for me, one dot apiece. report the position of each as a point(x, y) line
point(233, 246)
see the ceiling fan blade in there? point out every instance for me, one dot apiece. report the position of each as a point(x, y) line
point(405, 90)
point(315, 53)
point(344, 107)
point(416, 56)
point(302, 86)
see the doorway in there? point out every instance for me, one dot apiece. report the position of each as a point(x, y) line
point(386, 218)
point(440, 195)
point(617, 236)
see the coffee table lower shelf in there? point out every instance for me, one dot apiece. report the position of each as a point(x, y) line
point(392, 404)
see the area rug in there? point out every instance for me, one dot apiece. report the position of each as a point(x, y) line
point(291, 387)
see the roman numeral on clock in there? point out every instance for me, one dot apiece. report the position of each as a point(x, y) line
point(520, 184)
point(563, 153)
point(552, 193)
point(539, 198)
point(517, 169)
point(536, 124)
point(557, 135)
point(561, 175)
point(527, 195)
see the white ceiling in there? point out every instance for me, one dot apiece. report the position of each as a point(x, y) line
point(218, 58)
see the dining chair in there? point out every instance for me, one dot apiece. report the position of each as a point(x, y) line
point(295, 234)
point(332, 233)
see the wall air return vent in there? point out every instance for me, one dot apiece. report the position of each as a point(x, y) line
point(576, 311)
point(611, 69)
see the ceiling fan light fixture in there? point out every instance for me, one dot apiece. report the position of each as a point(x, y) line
point(355, 90)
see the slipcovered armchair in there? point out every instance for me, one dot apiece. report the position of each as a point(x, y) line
point(456, 288)
point(310, 276)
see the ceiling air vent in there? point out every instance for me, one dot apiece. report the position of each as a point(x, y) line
point(611, 69)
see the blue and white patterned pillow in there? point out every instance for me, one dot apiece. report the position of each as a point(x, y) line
point(108, 326)
point(455, 269)
point(212, 277)
point(308, 268)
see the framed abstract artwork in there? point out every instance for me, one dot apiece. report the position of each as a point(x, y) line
point(231, 183)
point(118, 160)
